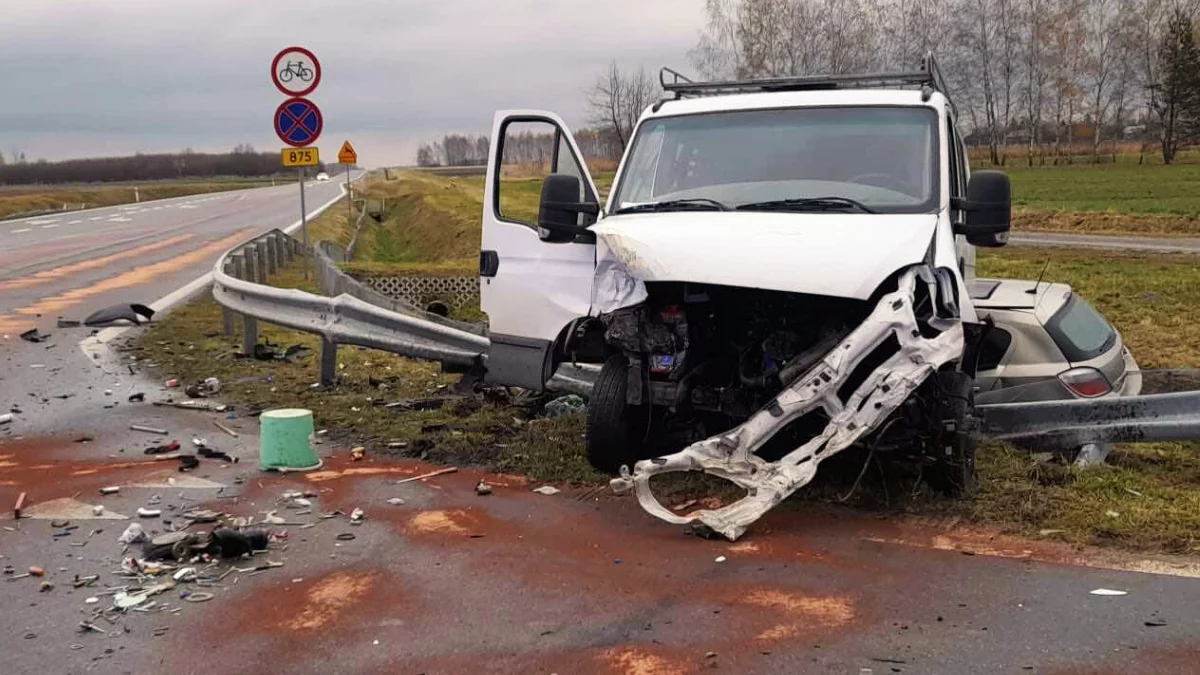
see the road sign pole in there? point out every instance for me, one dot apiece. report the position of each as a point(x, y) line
point(349, 199)
point(303, 221)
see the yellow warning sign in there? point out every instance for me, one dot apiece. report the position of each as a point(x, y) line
point(347, 155)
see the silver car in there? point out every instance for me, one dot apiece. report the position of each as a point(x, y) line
point(1048, 343)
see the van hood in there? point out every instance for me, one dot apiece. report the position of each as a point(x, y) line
point(835, 254)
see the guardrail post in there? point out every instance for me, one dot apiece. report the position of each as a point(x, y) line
point(280, 249)
point(328, 362)
point(264, 260)
point(244, 272)
point(273, 253)
point(227, 315)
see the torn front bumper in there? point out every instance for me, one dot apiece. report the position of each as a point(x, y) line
point(732, 455)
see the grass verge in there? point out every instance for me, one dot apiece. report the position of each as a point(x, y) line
point(30, 200)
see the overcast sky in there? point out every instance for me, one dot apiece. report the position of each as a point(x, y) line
point(114, 77)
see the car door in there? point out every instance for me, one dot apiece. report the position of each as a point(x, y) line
point(533, 283)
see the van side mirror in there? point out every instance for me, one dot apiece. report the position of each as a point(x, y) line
point(558, 214)
point(988, 208)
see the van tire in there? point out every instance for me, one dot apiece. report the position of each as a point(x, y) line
point(952, 472)
point(614, 435)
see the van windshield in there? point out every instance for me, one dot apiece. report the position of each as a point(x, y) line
point(875, 159)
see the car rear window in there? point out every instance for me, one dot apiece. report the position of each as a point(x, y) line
point(1079, 331)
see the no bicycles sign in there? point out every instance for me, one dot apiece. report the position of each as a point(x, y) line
point(296, 71)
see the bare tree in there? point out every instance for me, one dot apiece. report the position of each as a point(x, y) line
point(618, 99)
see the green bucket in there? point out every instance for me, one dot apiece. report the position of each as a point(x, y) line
point(285, 441)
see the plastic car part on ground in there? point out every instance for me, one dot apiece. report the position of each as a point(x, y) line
point(731, 455)
point(111, 315)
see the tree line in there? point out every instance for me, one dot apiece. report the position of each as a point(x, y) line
point(1031, 77)
point(1035, 73)
point(596, 143)
point(242, 161)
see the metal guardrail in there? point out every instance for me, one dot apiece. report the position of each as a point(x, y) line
point(239, 285)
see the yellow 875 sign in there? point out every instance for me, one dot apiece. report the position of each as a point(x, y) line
point(301, 157)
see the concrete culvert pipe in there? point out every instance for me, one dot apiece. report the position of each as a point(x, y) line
point(438, 307)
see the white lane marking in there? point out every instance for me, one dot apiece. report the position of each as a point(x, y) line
point(49, 227)
point(97, 218)
point(20, 231)
point(119, 219)
point(42, 221)
point(96, 347)
point(186, 206)
point(74, 222)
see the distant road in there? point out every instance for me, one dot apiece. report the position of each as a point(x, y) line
point(69, 264)
point(1188, 245)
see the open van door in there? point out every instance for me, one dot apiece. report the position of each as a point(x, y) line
point(533, 281)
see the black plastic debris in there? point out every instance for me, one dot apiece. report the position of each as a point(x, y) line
point(137, 398)
point(209, 453)
point(111, 315)
point(67, 323)
point(34, 335)
point(229, 543)
point(417, 403)
point(188, 462)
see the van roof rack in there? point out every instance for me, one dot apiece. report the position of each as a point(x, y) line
point(929, 78)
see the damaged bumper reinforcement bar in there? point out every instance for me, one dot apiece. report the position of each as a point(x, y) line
point(732, 455)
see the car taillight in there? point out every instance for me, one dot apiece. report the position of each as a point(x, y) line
point(1085, 382)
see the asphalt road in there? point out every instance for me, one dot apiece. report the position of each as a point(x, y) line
point(71, 264)
point(1165, 244)
point(452, 582)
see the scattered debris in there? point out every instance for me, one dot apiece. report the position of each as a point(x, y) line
point(20, 504)
point(1112, 514)
point(137, 397)
point(6, 418)
point(719, 559)
point(565, 405)
point(45, 586)
point(396, 501)
point(357, 516)
point(68, 323)
point(198, 597)
point(149, 430)
point(431, 474)
point(547, 490)
point(162, 449)
point(418, 403)
point(1048, 532)
point(34, 335)
point(209, 453)
point(37, 572)
point(345, 536)
point(188, 462)
point(111, 490)
point(358, 453)
point(144, 512)
point(1154, 623)
point(685, 505)
point(397, 444)
point(171, 383)
point(226, 429)
point(1108, 592)
point(212, 385)
point(482, 488)
point(111, 315)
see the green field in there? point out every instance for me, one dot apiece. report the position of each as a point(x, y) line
point(1123, 187)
